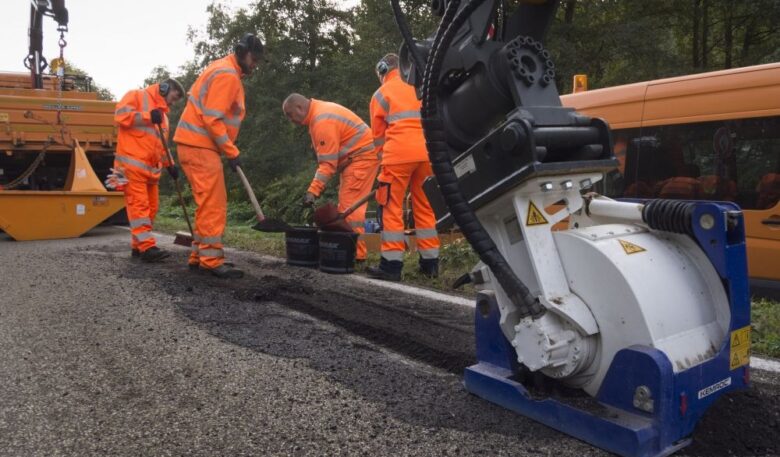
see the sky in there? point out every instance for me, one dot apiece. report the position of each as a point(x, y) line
point(117, 42)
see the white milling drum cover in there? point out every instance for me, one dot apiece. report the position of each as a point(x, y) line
point(655, 289)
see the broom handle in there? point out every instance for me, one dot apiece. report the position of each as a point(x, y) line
point(175, 181)
point(251, 193)
point(357, 204)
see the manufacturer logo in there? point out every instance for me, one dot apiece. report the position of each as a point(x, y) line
point(720, 385)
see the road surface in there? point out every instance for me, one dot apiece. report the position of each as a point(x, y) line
point(103, 355)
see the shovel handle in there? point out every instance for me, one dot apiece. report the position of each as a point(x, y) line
point(175, 181)
point(357, 204)
point(251, 193)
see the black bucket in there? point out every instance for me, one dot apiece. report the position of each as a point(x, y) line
point(302, 246)
point(337, 252)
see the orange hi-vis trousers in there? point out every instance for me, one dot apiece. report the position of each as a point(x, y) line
point(357, 179)
point(394, 179)
point(203, 168)
point(141, 199)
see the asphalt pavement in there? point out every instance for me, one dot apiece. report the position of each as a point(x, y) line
point(103, 355)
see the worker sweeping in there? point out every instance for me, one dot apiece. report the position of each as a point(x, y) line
point(140, 157)
point(344, 144)
point(208, 129)
point(398, 135)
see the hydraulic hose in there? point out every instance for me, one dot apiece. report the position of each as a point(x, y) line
point(403, 27)
point(438, 153)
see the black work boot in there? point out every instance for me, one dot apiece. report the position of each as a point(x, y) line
point(226, 272)
point(429, 267)
point(153, 254)
point(195, 267)
point(388, 270)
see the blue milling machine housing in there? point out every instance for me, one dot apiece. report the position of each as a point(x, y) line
point(679, 399)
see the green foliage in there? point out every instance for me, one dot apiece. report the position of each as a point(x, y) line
point(622, 41)
point(765, 333)
point(327, 51)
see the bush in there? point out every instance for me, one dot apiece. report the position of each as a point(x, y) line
point(282, 198)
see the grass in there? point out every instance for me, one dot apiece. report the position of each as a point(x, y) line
point(765, 331)
point(456, 259)
point(236, 236)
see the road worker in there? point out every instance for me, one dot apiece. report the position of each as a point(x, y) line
point(344, 144)
point(397, 129)
point(208, 128)
point(140, 156)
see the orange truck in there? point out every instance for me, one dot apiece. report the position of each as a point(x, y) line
point(710, 136)
point(56, 145)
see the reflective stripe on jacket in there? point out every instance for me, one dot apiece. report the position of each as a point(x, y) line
point(215, 109)
point(338, 136)
point(395, 122)
point(138, 138)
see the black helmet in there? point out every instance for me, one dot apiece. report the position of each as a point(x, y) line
point(249, 43)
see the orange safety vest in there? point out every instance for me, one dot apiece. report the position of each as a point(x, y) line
point(215, 109)
point(396, 122)
point(138, 142)
point(339, 137)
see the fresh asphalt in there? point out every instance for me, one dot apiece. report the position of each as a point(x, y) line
point(103, 355)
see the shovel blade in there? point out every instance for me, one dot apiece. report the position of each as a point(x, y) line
point(339, 225)
point(272, 226)
point(326, 214)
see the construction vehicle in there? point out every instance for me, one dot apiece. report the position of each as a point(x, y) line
point(56, 144)
point(622, 330)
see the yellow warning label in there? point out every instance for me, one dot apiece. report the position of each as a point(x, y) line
point(631, 248)
point(740, 348)
point(535, 217)
point(4, 117)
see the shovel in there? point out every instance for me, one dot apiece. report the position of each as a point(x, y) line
point(182, 238)
point(328, 218)
point(263, 224)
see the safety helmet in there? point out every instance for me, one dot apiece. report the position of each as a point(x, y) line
point(249, 43)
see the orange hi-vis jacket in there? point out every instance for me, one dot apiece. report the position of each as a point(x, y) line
point(396, 123)
point(339, 137)
point(215, 109)
point(138, 142)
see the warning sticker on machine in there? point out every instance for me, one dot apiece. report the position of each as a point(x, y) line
point(740, 348)
point(4, 117)
point(631, 248)
point(535, 217)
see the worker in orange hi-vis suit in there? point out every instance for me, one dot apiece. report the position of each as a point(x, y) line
point(344, 144)
point(398, 134)
point(208, 128)
point(140, 156)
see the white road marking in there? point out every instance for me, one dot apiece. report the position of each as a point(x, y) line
point(765, 364)
point(412, 290)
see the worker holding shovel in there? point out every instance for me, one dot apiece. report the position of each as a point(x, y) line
point(208, 129)
point(140, 156)
point(344, 144)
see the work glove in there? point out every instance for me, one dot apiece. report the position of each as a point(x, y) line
point(308, 199)
point(234, 163)
point(157, 116)
point(173, 172)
